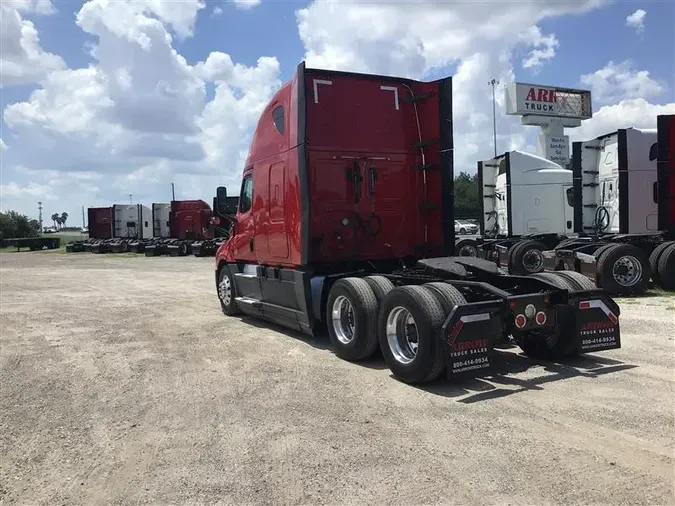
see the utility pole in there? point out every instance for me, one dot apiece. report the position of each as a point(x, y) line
point(40, 215)
point(173, 192)
point(494, 114)
point(130, 202)
point(83, 224)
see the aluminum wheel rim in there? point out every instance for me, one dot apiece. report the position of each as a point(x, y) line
point(342, 315)
point(402, 335)
point(627, 270)
point(467, 251)
point(225, 290)
point(533, 261)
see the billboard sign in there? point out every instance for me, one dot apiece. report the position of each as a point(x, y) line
point(524, 99)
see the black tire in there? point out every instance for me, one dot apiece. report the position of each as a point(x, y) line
point(363, 342)
point(654, 261)
point(125, 246)
point(519, 255)
point(469, 246)
point(228, 305)
point(447, 295)
point(556, 280)
point(601, 250)
point(380, 286)
point(462, 231)
point(183, 248)
point(552, 346)
point(606, 265)
point(581, 281)
point(429, 360)
point(666, 268)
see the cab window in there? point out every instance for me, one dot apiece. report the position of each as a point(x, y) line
point(246, 197)
point(278, 117)
point(570, 197)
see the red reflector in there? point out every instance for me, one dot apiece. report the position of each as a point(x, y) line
point(512, 304)
point(547, 299)
point(540, 318)
point(520, 321)
point(215, 221)
point(584, 305)
point(455, 331)
point(612, 317)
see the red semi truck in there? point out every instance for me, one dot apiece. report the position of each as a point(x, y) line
point(345, 220)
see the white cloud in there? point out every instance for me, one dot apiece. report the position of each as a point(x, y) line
point(414, 39)
point(245, 4)
point(633, 112)
point(22, 60)
point(637, 20)
point(616, 81)
point(138, 116)
point(3, 146)
point(544, 47)
point(217, 11)
point(13, 190)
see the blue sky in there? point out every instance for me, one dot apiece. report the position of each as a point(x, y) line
point(584, 44)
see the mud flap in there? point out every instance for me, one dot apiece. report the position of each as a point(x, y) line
point(597, 323)
point(470, 332)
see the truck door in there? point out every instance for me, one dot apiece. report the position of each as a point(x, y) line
point(277, 239)
point(243, 239)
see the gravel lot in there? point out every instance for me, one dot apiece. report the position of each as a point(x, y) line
point(123, 383)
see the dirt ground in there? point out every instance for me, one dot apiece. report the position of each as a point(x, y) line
point(121, 382)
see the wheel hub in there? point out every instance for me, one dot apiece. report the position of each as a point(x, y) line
point(533, 261)
point(225, 290)
point(402, 335)
point(342, 316)
point(627, 270)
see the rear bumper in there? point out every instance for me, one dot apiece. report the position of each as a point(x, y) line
point(588, 321)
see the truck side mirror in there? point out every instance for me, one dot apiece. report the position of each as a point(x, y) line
point(221, 206)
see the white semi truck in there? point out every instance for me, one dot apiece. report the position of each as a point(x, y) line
point(624, 218)
point(527, 207)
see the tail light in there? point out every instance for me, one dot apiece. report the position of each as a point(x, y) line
point(215, 221)
point(520, 321)
point(540, 318)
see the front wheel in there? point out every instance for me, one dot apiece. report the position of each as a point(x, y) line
point(226, 292)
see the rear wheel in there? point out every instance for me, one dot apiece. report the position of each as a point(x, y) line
point(466, 248)
point(623, 269)
point(654, 261)
point(352, 318)
point(581, 281)
point(409, 326)
point(666, 268)
point(380, 286)
point(527, 258)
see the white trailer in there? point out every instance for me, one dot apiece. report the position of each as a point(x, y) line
point(132, 221)
point(527, 206)
point(161, 219)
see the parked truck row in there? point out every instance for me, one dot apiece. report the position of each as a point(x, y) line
point(607, 215)
point(177, 228)
point(352, 230)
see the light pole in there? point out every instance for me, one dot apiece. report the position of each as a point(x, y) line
point(492, 83)
point(40, 215)
point(130, 199)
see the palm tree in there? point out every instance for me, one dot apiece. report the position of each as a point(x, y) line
point(64, 217)
point(55, 216)
point(59, 222)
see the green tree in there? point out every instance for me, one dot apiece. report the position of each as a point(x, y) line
point(64, 218)
point(13, 225)
point(466, 196)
